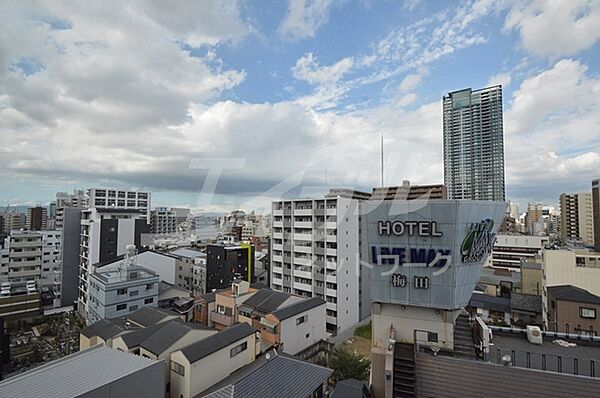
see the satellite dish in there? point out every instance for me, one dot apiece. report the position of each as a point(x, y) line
point(268, 356)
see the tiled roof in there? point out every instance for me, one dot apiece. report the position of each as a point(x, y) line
point(147, 316)
point(573, 293)
point(266, 300)
point(277, 376)
point(526, 302)
point(203, 348)
point(500, 304)
point(298, 308)
point(104, 328)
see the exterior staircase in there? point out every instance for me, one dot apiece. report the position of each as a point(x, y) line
point(404, 371)
point(463, 338)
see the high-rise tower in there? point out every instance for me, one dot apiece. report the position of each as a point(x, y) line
point(474, 144)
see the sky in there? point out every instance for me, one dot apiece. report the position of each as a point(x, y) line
point(217, 105)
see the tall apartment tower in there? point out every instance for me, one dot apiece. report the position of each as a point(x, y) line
point(596, 212)
point(474, 144)
point(105, 234)
point(36, 219)
point(576, 223)
point(315, 253)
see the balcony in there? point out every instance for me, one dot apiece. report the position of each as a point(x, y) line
point(302, 236)
point(277, 258)
point(302, 261)
point(303, 224)
point(221, 319)
point(277, 212)
point(303, 249)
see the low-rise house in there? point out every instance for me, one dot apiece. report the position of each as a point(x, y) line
point(573, 310)
point(104, 331)
point(99, 372)
point(296, 327)
point(204, 305)
point(200, 365)
point(159, 341)
point(526, 309)
point(274, 375)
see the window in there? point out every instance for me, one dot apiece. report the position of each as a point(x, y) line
point(177, 368)
point(589, 313)
point(122, 291)
point(133, 293)
point(149, 300)
point(133, 308)
point(149, 286)
point(237, 349)
point(301, 320)
point(121, 307)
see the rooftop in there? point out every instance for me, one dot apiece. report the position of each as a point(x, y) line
point(130, 274)
point(573, 293)
point(264, 301)
point(516, 345)
point(298, 308)
point(188, 253)
point(500, 304)
point(70, 376)
point(269, 375)
point(147, 316)
point(203, 348)
point(526, 302)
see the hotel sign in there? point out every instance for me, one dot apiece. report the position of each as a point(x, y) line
point(399, 228)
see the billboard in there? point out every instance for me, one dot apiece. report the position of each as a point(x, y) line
point(428, 253)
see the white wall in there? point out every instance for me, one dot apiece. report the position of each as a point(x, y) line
point(561, 269)
point(209, 370)
point(162, 265)
point(406, 320)
point(294, 337)
point(348, 273)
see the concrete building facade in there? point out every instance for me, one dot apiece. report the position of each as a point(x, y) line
point(315, 252)
point(576, 223)
point(596, 212)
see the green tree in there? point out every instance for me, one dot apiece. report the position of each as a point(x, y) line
point(347, 365)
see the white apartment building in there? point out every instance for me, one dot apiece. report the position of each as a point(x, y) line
point(51, 275)
point(163, 221)
point(24, 258)
point(105, 234)
point(315, 253)
point(120, 199)
point(577, 222)
point(509, 250)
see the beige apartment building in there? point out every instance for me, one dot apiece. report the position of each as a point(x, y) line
point(576, 219)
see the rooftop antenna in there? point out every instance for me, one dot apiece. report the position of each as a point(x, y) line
point(382, 185)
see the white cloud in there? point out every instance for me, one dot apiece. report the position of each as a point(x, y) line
point(503, 79)
point(305, 17)
point(308, 69)
point(412, 81)
point(556, 27)
point(552, 129)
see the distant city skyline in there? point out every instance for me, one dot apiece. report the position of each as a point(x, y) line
point(297, 92)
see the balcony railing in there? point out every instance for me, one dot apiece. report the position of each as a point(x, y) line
point(221, 319)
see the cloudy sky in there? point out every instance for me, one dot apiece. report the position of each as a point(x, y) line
point(254, 99)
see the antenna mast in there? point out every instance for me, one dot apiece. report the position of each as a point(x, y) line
point(382, 160)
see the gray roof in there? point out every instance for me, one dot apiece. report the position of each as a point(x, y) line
point(351, 388)
point(573, 293)
point(265, 300)
point(203, 348)
point(147, 316)
point(209, 297)
point(500, 304)
point(526, 302)
point(189, 253)
point(104, 328)
point(279, 373)
point(165, 337)
point(298, 308)
point(69, 377)
point(137, 337)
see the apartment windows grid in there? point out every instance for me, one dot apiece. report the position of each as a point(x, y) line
point(474, 144)
point(310, 240)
